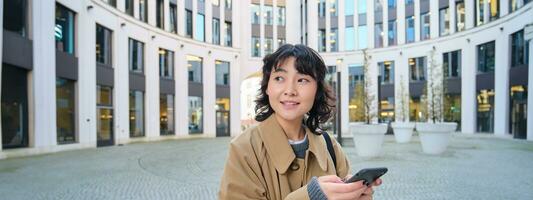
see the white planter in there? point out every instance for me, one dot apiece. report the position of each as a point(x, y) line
point(368, 138)
point(435, 136)
point(403, 131)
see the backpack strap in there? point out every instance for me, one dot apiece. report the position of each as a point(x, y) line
point(331, 151)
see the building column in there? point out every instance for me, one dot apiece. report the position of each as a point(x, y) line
point(530, 97)
point(434, 19)
point(469, 15)
point(209, 98)
point(417, 20)
point(370, 25)
point(166, 15)
point(504, 8)
point(235, 97)
point(180, 17)
point(222, 19)
point(328, 26)
point(401, 82)
point(341, 28)
point(292, 23)
point(501, 89)
point(151, 12)
point(151, 93)
point(400, 22)
point(453, 19)
point(262, 20)
point(43, 75)
point(208, 16)
point(236, 23)
point(182, 93)
point(136, 9)
point(121, 89)
point(344, 97)
point(468, 91)
point(312, 25)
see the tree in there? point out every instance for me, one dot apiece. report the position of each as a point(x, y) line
point(403, 101)
point(368, 97)
point(435, 90)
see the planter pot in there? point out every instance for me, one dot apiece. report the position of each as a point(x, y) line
point(435, 136)
point(403, 131)
point(368, 138)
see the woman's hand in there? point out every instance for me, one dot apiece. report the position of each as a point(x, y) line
point(334, 188)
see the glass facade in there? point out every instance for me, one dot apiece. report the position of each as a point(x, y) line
point(349, 6)
point(64, 29)
point(269, 45)
point(104, 109)
point(410, 29)
point(417, 109)
point(173, 19)
point(321, 40)
point(280, 16)
point(256, 14)
point(166, 114)
point(227, 29)
point(333, 44)
point(392, 33)
point(16, 16)
point(460, 16)
point(444, 21)
point(424, 26)
point(349, 38)
point(486, 57)
point(222, 73)
point(378, 35)
point(451, 63)
point(194, 65)
point(66, 111)
point(143, 10)
point(136, 113)
point(268, 15)
point(518, 111)
point(14, 106)
point(216, 31)
point(417, 69)
point(256, 44)
point(159, 14)
point(356, 92)
point(166, 64)
point(486, 10)
point(195, 115)
point(362, 37)
point(199, 33)
point(321, 8)
point(519, 49)
point(188, 23)
point(391, 4)
point(333, 8)
point(104, 45)
point(361, 6)
point(222, 116)
point(452, 108)
point(136, 56)
point(129, 7)
point(485, 111)
point(386, 72)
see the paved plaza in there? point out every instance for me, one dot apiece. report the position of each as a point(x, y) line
point(474, 167)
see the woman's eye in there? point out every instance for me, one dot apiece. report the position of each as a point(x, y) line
point(278, 78)
point(303, 80)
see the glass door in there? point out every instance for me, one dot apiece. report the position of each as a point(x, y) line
point(222, 123)
point(104, 111)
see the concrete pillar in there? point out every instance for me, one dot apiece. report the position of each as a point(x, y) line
point(370, 25)
point(504, 8)
point(469, 14)
point(121, 90)
point(312, 26)
point(262, 28)
point(401, 82)
point(274, 26)
point(136, 9)
point(468, 91)
point(400, 19)
point(530, 97)
point(208, 16)
point(417, 21)
point(341, 27)
point(181, 17)
point(501, 89)
point(235, 97)
point(151, 12)
point(328, 26)
point(208, 80)
point(182, 93)
point(434, 19)
point(151, 94)
point(166, 15)
point(453, 19)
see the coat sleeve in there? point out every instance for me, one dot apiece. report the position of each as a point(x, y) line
point(242, 175)
point(343, 164)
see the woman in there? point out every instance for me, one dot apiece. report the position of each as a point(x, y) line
point(282, 157)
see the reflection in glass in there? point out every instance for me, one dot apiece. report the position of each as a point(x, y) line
point(444, 21)
point(321, 40)
point(518, 112)
point(333, 44)
point(222, 73)
point(66, 109)
point(129, 7)
point(519, 49)
point(173, 19)
point(355, 80)
point(424, 26)
point(386, 72)
point(269, 42)
point(159, 14)
point(417, 109)
point(228, 39)
point(166, 114)
point(103, 45)
point(378, 35)
point(417, 68)
point(136, 56)
point(16, 16)
point(104, 109)
point(392, 32)
point(194, 65)
point(280, 16)
point(410, 29)
point(451, 63)
point(349, 37)
point(14, 106)
point(188, 23)
point(216, 31)
point(452, 109)
point(166, 63)
point(363, 42)
point(256, 44)
point(486, 57)
point(460, 16)
point(268, 14)
point(195, 114)
point(136, 113)
point(64, 29)
point(199, 33)
point(485, 111)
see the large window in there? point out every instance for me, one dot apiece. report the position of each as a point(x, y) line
point(194, 65)
point(256, 16)
point(268, 15)
point(349, 38)
point(216, 31)
point(386, 72)
point(159, 14)
point(166, 114)
point(281, 42)
point(361, 7)
point(104, 114)
point(333, 41)
point(519, 49)
point(64, 29)
point(143, 10)
point(173, 18)
point(322, 40)
point(256, 47)
point(269, 42)
point(349, 6)
point(444, 21)
point(228, 4)
point(333, 8)
point(227, 29)
point(392, 4)
point(66, 111)
point(16, 16)
point(378, 6)
point(485, 111)
point(136, 56)
point(136, 113)
point(410, 29)
point(321, 8)
point(356, 92)
point(195, 114)
point(516, 4)
point(103, 45)
point(417, 69)
point(460, 16)
point(362, 37)
point(424, 26)
point(188, 23)
point(129, 7)
point(486, 11)
point(14, 106)
point(451, 64)
point(280, 16)
point(166, 64)
point(199, 33)
point(222, 73)
point(392, 33)
point(485, 57)
point(378, 35)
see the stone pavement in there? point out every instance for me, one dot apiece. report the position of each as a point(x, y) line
point(474, 167)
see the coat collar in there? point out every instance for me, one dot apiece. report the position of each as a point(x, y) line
point(279, 149)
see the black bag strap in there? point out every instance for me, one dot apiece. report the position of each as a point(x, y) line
point(331, 151)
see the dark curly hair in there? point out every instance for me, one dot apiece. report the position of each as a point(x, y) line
point(308, 62)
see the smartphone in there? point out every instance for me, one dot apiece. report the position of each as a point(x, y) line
point(368, 175)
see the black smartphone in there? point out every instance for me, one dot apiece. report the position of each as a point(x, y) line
point(368, 175)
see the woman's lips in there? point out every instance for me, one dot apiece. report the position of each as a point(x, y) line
point(290, 104)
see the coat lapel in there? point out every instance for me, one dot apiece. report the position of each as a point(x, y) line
point(276, 144)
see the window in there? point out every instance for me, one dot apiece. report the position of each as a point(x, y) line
point(136, 113)
point(268, 15)
point(104, 113)
point(256, 16)
point(103, 45)
point(362, 37)
point(417, 69)
point(136, 56)
point(66, 111)
point(64, 29)
point(14, 105)
point(494, 6)
point(378, 35)
point(485, 57)
point(281, 42)
point(349, 6)
point(129, 7)
point(166, 64)
point(378, 6)
point(349, 38)
point(216, 31)
point(195, 114)
point(410, 29)
point(16, 16)
point(268, 45)
point(166, 114)
point(321, 40)
point(392, 33)
point(444, 21)
point(424, 26)
point(111, 2)
point(451, 64)
point(200, 27)
point(228, 4)
point(188, 23)
point(222, 73)
point(215, 2)
point(516, 4)
point(460, 16)
point(173, 20)
point(361, 7)
point(392, 4)
point(409, 2)
point(386, 72)
point(519, 49)
point(485, 110)
point(228, 39)
point(322, 8)
point(194, 65)
point(160, 14)
point(256, 44)
point(280, 16)
point(356, 92)
point(333, 8)
point(333, 41)
point(143, 10)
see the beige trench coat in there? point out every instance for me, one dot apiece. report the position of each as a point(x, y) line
point(261, 164)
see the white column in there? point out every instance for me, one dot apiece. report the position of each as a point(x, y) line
point(208, 16)
point(385, 35)
point(121, 5)
point(400, 22)
point(486, 14)
point(434, 19)
point(328, 26)
point(292, 23)
point(274, 26)
point(370, 25)
point(182, 94)
point(136, 9)
point(151, 93)
point(345, 95)
point(223, 24)
point(530, 97)
point(453, 23)
point(468, 91)
point(262, 21)
point(235, 97)
point(181, 16)
point(417, 20)
point(151, 12)
point(312, 30)
point(504, 8)
point(121, 89)
point(469, 15)
point(43, 78)
point(237, 23)
point(501, 86)
point(341, 26)
point(166, 15)
point(356, 25)
point(209, 86)
point(373, 75)
point(194, 13)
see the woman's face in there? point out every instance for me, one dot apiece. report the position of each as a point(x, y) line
point(290, 93)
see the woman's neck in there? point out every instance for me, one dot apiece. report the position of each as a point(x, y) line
point(293, 129)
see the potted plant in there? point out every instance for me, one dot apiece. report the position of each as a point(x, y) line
point(435, 133)
point(402, 128)
point(368, 136)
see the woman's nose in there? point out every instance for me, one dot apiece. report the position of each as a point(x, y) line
point(290, 90)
